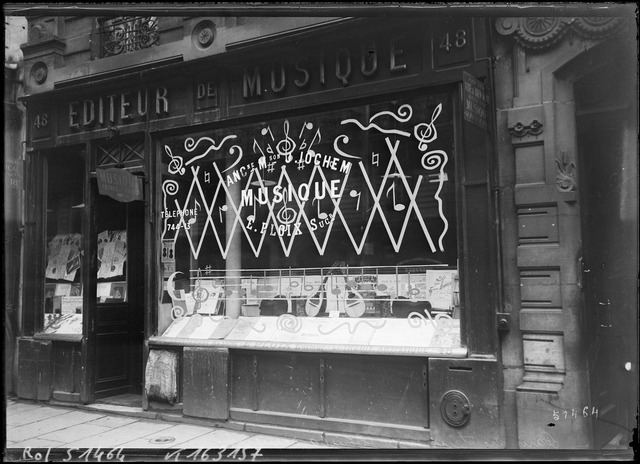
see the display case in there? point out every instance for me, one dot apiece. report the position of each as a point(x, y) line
point(63, 285)
point(337, 227)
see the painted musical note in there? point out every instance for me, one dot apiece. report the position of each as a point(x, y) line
point(267, 130)
point(316, 136)
point(256, 148)
point(396, 206)
point(221, 209)
point(321, 214)
point(252, 217)
point(286, 146)
point(375, 158)
point(355, 194)
point(306, 125)
point(196, 206)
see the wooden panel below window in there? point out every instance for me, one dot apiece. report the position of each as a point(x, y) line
point(34, 369)
point(205, 382)
point(352, 394)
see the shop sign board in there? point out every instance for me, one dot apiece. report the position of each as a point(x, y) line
point(474, 99)
point(119, 184)
point(307, 70)
point(14, 173)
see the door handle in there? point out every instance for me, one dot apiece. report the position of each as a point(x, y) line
point(583, 269)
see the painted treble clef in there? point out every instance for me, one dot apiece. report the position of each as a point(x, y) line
point(286, 146)
point(176, 163)
point(427, 133)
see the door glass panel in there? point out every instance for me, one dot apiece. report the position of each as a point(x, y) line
point(111, 224)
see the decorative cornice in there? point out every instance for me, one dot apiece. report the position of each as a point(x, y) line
point(539, 33)
point(50, 45)
point(520, 130)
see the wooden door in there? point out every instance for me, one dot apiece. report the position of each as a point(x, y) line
point(608, 159)
point(119, 317)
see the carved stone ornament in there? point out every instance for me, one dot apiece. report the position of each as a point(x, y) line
point(39, 73)
point(539, 33)
point(39, 31)
point(595, 27)
point(519, 130)
point(566, 175)
point(203, 34)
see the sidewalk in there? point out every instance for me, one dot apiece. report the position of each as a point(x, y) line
point(36, 425)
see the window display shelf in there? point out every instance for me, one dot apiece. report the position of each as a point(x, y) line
point(383, 291)
point(401, 337)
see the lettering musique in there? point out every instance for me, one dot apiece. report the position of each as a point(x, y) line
point(344, 67)
point(303, 192)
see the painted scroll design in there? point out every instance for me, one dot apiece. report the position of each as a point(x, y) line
point(295, 148)
point(416, 320)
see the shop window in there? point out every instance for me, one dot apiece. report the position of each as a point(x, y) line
point(63, 286)
point(126, 34)
point(338, 226)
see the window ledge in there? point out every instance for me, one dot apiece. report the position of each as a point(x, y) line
point(59, 337)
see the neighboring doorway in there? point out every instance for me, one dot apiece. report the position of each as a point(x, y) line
point(608, 183)
point(119, 311)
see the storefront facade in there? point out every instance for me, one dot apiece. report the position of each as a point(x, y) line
point(310, 224)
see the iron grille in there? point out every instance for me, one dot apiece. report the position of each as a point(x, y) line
point(122, 154)
point(126, 34)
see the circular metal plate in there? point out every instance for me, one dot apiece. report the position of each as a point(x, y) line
point(455, 408)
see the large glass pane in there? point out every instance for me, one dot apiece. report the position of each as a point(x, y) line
point(63, 287)
point(348, 214)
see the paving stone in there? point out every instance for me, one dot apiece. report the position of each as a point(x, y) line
point(177, 435)
point(14, 408)
point(75, 433)
point(34, 415)
point(119, 437)
point(218, 439)
point(266, 442)
point(38, 443)
point(309, 445)
point(113, 421)
point(44, 426)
